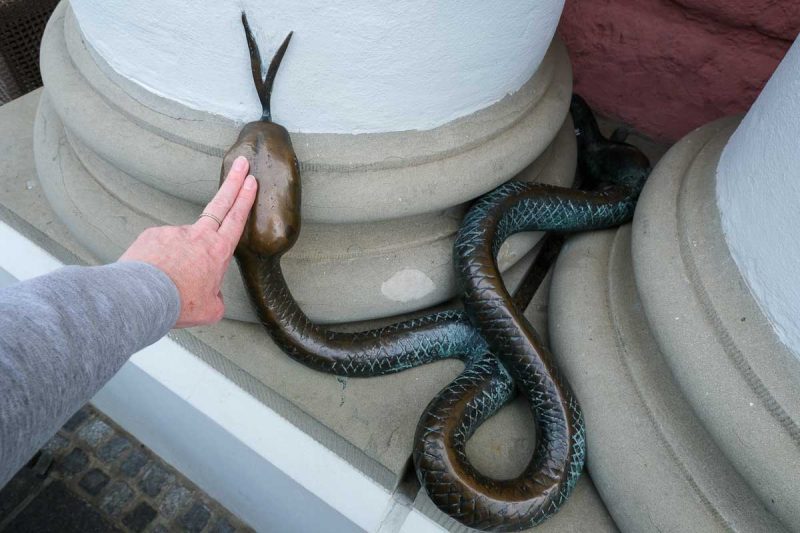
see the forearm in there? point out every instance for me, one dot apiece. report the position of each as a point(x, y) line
point(63, 336)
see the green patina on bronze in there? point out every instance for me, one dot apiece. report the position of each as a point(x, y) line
point(502, 353)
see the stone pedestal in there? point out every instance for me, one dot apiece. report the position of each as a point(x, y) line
point(380, 209)
point(689, 395)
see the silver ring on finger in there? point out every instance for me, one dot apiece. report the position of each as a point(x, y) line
point(212, 217)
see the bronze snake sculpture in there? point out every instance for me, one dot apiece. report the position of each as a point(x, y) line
point(501, 351)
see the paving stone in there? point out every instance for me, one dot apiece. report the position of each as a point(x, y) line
point(118, 495)
point(140, 517)
point(58, 509)
point(16, 490)
point(76, 420)
point(75, 461)
point(174, 499)
point(114, 448)
point(133, 463)
point(222, 526)
point(196, 518)
point(154, 479)
point(57, 444)
point(94, 481)
point(159, 528)
point(95, 432)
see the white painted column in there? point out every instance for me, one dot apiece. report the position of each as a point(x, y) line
point(354, 66)
point(758, 193)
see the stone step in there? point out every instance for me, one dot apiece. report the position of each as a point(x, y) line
point(679, 372)
point(730, 364)
point(652, 461)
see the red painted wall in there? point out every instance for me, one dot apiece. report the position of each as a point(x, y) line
point(669, 66)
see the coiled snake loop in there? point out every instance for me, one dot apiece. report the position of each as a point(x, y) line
point(501, 351)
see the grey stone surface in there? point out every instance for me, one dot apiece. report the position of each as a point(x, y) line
point(94, 481)
point(653, 463)
point(133, 464)
point(138, 518)
point(347, 178)
point(195, 518)
point(378, 269)
point(174, 500)
point(75, 461)
point(118, 495)
point(56, 444)
point(95, 432)
point(112, 449)
point(154, 479)
point(729, 363)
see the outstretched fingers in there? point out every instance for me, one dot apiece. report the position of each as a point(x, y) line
point(233, 224)
point(226, 196)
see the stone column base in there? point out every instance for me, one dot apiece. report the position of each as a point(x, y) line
point(690, 399)
point(114, 159)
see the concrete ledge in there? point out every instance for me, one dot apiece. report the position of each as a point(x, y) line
point(338, 272)
point(652, 461)
point(737, 376)
point(347, 178)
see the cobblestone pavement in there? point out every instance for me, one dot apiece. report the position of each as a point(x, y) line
point(94, 477)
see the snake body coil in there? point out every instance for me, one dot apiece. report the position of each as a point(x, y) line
point(501, 351)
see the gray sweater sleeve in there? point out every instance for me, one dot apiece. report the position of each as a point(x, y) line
point(63, 336)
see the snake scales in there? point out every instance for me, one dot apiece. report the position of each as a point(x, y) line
point(502, 353)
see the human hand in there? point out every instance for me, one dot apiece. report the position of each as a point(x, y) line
point(196, 257)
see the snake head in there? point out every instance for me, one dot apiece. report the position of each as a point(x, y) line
point(274, 222)
point(603, 161)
